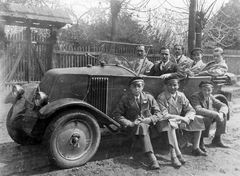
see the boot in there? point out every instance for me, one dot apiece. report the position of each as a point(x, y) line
point(174, 159)
point(202, 146)
point(154, 163)
point(217, 142)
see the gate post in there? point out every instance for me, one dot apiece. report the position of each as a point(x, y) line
point(52, 40)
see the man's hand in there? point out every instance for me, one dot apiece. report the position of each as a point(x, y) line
point(185, 119)
point(146, 120)
point(165, 75)
point(221, 116)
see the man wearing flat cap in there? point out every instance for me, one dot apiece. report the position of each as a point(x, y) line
point(198, 64)
point(215, 68)
point(140, 65)
point(212, 110)
point(179, 113)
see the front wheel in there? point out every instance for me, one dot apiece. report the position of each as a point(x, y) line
point(72, 138)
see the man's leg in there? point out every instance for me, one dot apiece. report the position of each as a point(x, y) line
point(205, 133)
point(221, 129)
point(176, 155)
point(196, 141)
point(147, 145)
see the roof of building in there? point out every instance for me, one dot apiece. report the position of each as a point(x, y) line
point(39, 17)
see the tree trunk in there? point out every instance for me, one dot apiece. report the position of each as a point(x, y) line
point(115, 9)
point(191, 26)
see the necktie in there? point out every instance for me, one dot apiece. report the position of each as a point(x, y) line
point(138, 102)
point(207, 102)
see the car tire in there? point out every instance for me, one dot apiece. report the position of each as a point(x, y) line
point(15, 131)
point(72, 138)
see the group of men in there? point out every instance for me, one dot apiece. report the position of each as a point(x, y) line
point(179, 64)
point(141, 115)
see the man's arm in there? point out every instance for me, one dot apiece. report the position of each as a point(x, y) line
point(178, 72)
point(119, 112)
point(195, 101)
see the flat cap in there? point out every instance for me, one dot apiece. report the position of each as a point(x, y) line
point(141, 48)
point(171, 78)
point(136, 80)
point(205, 84)
point(196, 49)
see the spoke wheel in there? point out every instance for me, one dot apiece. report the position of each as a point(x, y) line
point(72, 138)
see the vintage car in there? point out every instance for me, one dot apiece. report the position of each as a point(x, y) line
point(70, 106)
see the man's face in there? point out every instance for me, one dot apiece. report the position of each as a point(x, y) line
point(164, 55)
point(141, 53)
point(172, 86)
point(178, 50)
point(206, 91)
point(137, 88)
point(197, 56)
point(217, 56)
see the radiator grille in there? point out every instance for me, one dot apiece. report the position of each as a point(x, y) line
point(98, 93)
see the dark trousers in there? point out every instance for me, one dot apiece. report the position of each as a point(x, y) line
point(220, 126)
point(141, 132)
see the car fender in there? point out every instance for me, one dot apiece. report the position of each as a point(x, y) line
point(224, 100)
point(57, 105)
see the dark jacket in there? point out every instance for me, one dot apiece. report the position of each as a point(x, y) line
point(127, 109)
point(169, 68)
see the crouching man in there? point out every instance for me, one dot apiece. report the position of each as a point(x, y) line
point(213, 110)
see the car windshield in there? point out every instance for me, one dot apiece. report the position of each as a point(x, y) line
point(123, 54)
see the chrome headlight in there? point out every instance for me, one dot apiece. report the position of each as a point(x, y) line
point(41, 99)
point(17, 91)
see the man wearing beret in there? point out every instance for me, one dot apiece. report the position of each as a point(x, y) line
point(198, 64)
point(165, 68)
point(139, 63)
point(179, 113)
point(215, 68)
point(178, 58)
point(212, 110)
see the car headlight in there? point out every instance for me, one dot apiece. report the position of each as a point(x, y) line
point(17, 91)
point(41, 99)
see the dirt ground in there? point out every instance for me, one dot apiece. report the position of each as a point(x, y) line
point(33, 160)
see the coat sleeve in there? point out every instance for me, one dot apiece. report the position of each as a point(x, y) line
point(195, 101)
point(152, 71)
point(221, 107)
point(178, 72)
point(119, 112)
point(163, 107)
point(218, 70)
point(187, 108)
point(155, 110)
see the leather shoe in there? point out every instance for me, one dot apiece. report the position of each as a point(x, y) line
point(202, 147)
point(198, 152)
point(154, 165)
point(220, 144)
point(176, 162)
point(181, 159)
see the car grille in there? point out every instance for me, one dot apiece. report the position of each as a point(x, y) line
point(98, 93)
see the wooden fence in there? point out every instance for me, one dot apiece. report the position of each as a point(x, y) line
point(28, 69)
point(76, 57)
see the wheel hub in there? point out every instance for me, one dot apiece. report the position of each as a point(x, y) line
point(74, 141)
